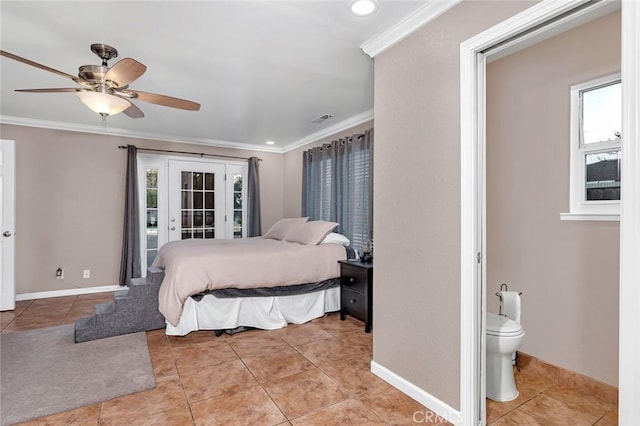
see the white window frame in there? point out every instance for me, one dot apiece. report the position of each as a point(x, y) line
point(150, 161)
point(236, 169)
point(580, 209)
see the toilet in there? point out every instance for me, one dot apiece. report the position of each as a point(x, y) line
point(504, 338)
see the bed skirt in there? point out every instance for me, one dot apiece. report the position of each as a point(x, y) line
point(269, 313)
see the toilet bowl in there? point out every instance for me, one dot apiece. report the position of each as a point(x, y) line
point(504, 337)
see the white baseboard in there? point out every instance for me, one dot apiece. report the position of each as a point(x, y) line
point(434, 404)
point(67, 292)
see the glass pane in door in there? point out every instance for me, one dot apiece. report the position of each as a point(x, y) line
point(197, 180)
point(209, 200)
point(209, 181)
point(186, 180)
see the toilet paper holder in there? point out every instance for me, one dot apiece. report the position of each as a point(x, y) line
point(504, 287)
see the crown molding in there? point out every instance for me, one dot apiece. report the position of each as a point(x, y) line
point(82, 128)
point(357, 119)
point(72, 127)
point(431, 10)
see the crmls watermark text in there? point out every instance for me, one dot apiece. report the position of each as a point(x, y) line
point(427, 417)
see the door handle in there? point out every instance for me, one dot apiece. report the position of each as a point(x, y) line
point(173, 228)
point(6, 234)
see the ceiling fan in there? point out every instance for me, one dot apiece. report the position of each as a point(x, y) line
point(105, 89)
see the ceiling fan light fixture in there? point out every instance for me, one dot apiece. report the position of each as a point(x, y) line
point(103, 103)
point(363, 7)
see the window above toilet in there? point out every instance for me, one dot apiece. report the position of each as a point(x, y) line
point(595, 138)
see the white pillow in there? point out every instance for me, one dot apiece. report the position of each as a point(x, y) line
point(281, 228)
point(311, 233)
point(335, 238)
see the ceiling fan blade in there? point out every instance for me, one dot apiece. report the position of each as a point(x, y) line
point(133, 111)
point(54, 90)
point(125, 71)
point(166, 101)
point(37, 65)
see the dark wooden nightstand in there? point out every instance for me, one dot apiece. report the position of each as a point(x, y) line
point(356, 291)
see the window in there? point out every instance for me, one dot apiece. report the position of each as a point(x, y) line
point(151, 212)
point(237, 206)
point(337, 186)
point(360, 196)
point(151, 181)
point(596, 123)
point(236, 193)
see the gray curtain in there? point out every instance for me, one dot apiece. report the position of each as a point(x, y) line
point(130, 261)
point(254, 224)
point(337, 185)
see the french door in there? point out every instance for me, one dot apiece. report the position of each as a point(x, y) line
point(196, 200)
point(182, 199)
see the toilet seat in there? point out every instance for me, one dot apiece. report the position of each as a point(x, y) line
point(499, 325)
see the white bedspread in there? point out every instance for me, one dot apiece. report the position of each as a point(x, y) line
point(194, 266)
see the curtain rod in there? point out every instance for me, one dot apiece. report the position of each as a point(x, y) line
point(201, 154)
point(342, 140)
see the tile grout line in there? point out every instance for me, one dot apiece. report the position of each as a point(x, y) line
point(262, 385)
point(184, 392)
point(16, 317)
point(66, 314)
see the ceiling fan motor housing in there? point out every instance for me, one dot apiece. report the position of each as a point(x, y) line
point(92, 73)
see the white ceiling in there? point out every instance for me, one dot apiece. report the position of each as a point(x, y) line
point(262, 70)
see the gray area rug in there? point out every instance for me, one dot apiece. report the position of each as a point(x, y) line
point(44, 372)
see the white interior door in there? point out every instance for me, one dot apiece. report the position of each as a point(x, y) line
point(196, 200)
point(7, 225)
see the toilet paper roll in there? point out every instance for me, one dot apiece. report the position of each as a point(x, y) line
point(510, 304)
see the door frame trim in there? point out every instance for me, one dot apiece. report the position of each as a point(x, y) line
point(472, 140)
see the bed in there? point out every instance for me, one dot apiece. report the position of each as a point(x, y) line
point(289, 275)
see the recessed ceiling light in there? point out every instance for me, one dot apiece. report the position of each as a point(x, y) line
point(363, 7)
point(271, 143)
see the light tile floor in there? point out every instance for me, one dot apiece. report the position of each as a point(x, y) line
point(311, 374)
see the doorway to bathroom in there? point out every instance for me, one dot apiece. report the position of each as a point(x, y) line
point(544, 20)
point(565, 263)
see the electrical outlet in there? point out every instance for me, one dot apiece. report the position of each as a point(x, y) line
point(59, 274)
point(86, 273)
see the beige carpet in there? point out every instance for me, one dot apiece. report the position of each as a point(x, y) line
point(44, 372)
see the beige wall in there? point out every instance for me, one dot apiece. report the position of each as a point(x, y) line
point(69, 206)
point(417, 199)
point(567, 271)
point(293, 168)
